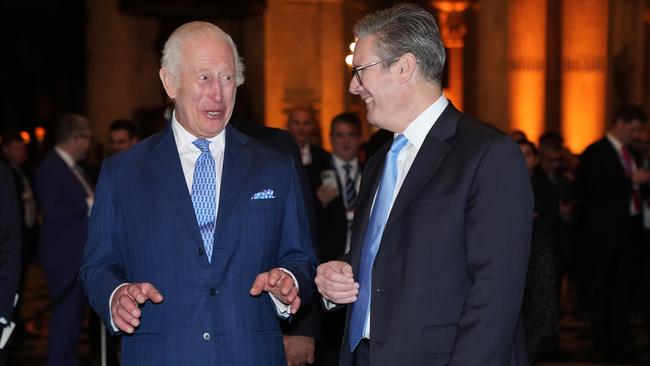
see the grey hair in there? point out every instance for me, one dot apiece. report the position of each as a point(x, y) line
point(171, 54)
point(70, 126)
point(406, 28)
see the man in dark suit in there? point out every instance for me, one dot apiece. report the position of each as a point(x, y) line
point(14, 151)
point(65, 196)
point(199, 219)
point(301, 124)
point(335, 211)
point(10, 242)
point(609, 183)
point(442, 228)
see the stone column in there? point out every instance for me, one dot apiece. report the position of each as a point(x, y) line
point(122, 65)
point(453, 27)
point(304, 60)
point(584, 71)
point(527, 66)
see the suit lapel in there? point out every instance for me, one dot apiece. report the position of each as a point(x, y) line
point(237, 161)
point(431, 153)
point(166, 165)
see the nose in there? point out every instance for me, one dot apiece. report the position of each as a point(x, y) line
point(354, 87)
point(214, 91)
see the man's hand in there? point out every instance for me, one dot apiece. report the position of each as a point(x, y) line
point(124, 305)
point(299, 350)
point(280, 284)
point(335, 282)
point(326, 194)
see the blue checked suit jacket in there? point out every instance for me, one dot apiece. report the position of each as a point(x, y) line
point(143, 229)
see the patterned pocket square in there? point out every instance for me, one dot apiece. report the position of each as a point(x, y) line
point(263, 195)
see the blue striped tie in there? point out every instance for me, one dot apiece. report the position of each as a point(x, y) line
point(374, 232)
point(204, 194)
point(350, 186)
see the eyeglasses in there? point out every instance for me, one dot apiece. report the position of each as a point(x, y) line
point(356, 70)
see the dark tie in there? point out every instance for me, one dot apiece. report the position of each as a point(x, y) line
point(350, 186)
point(204, 196)
point(374, 232)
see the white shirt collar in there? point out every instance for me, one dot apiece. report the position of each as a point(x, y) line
point(338, 162)
point(417, 130)
point(184, 139)
point(69, 160)
point(618, 145)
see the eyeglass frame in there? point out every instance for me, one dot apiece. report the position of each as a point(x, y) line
point(356, 69)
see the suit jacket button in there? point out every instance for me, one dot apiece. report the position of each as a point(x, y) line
point(201, 252)
point(213, 291)
point(206, 336)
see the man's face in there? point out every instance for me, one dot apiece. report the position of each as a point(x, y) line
point(549, 161)
point(81, 144)
point(379, 90)
point(118, 141)
point(345, 139)
point(300, 125)
point(204, 89)
point(16, 152)
point(630, 131)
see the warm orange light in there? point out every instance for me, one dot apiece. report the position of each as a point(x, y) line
point(40, 132)
point(584, 71)
point(526, 66)
point(25, 136)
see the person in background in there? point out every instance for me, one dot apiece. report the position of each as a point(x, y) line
point(609, 184)
point(65, 196)
point(10, 243)
point(121, 136)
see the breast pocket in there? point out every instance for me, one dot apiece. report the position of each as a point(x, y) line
point(256, 205)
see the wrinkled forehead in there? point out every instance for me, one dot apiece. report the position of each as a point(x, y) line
point(207, 48)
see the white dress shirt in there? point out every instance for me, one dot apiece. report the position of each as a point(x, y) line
point(416, 132)
point(618, 146)
point(72, 164)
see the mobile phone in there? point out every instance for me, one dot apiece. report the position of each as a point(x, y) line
point(328, 177)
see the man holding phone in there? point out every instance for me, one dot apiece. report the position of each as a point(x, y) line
point(336, 201)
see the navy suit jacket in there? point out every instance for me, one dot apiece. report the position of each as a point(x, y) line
point(448, 279)
point(143, 229)
point(62, 200)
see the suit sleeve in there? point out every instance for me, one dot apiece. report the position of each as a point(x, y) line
point(10, 243)
point(296, 251)
point(101, 271)
point(498, 236)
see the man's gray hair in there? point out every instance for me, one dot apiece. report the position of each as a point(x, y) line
point(70, 126)
point(406, 28)
point(171, 54)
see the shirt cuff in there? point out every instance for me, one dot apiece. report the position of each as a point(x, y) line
point(110, 312)
point(283, 310)
point(328, 304)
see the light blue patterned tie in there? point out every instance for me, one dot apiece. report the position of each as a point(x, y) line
point(374, 231)
point(204, 194)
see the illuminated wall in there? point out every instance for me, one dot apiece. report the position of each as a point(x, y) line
point(527, 66)
point(584, 71)
point(304, 60)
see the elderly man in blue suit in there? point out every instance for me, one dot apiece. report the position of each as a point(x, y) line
point(193, 224)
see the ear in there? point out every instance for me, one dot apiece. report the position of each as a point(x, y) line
point(405, 67)
point(168, 81)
